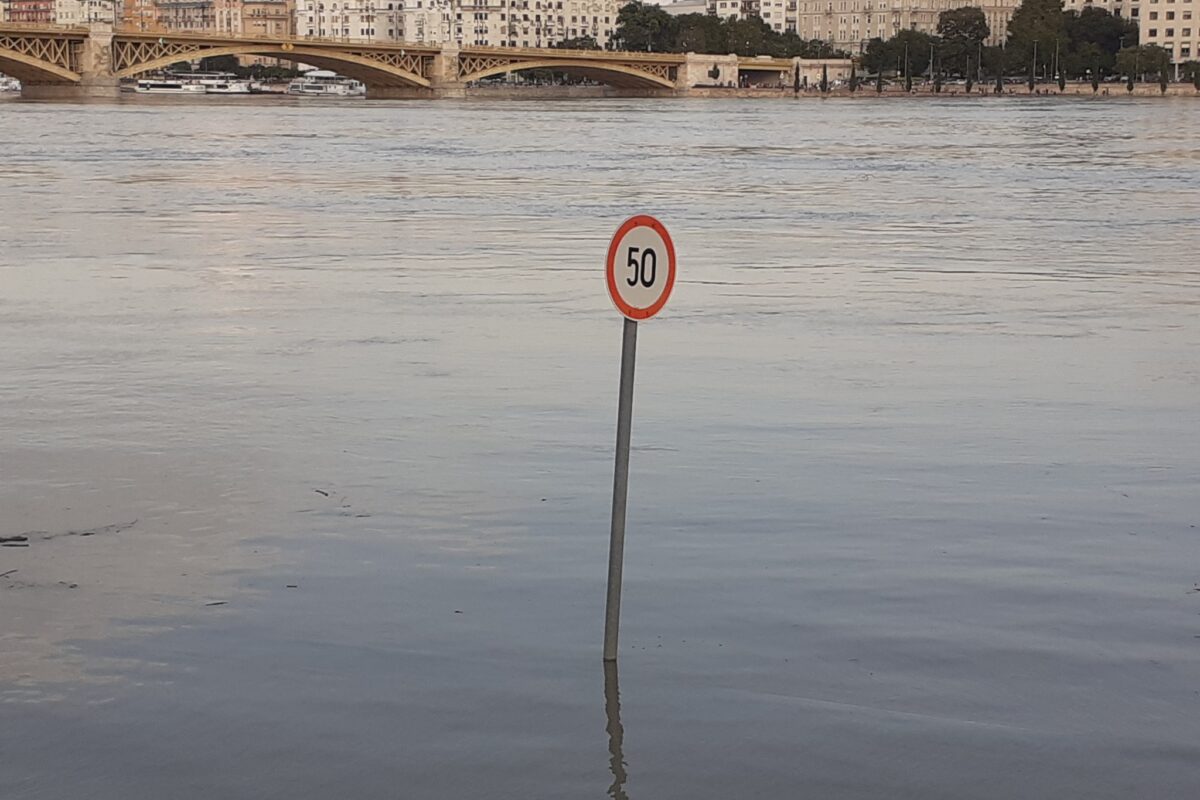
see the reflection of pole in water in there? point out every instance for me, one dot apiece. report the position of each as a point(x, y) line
point(616, 733)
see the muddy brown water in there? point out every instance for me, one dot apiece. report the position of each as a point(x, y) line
point(330, 389)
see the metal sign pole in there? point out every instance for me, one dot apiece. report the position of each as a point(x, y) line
point(616, 544)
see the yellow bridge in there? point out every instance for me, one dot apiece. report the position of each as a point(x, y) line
point(53, 61)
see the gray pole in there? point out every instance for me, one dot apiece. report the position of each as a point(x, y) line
point(616, 543)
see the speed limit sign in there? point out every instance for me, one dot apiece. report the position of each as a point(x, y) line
point(641, 267)
point(640, 272)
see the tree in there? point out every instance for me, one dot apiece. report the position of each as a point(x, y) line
point(1135, 61)
point(879, 82)
point(824, 78)
point(877, 56)
point(1164, 70)
point(747, 37)
point(1062, 79)
point(962, 31)
point(642, 26)
point(699, 33)
point(1035, 24)
point(1094, 34)
point(853, 78)
point(1096, 78)
point(579, 43)
point(970, 76)
point(889, 55)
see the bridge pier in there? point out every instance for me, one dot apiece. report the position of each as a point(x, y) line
point(95, 71)
point(443, 81)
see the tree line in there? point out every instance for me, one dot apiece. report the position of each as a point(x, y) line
point(646, 27)
point(1045, 42)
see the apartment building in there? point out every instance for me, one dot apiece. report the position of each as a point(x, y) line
point(1173, 25)
point(139, 15)
point(496, 23)
point(186, 16)
point(849, 24)
point(30, 11)
point(83, 12)
point(272, 18)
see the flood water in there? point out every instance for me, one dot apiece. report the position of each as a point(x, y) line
point(307, 414)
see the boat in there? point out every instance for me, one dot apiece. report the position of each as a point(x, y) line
point(8, 84)
point(167, 86)
point(325, 83)
point(217, 82)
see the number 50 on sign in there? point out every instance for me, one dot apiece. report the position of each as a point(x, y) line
point(641, 267)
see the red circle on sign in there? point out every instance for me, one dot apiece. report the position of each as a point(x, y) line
point(623, 305)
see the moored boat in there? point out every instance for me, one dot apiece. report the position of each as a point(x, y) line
point(217, 82)
point(324, 83)
point(167, 86)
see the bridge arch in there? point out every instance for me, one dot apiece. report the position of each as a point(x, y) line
point(28, 69)
point(38, 56)
point(619, 75)
point(368, 70)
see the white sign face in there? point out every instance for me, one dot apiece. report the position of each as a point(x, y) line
point(641, 267)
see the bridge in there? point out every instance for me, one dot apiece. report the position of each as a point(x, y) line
point(91, 61)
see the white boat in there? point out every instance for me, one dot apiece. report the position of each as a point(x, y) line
point(217, 82)
point(167, 86)
point(8, 84)
point(324, 83)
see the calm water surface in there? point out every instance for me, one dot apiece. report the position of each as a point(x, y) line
point(307, 412)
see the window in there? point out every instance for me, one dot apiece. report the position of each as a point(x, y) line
point(1154, 32)
point(1153, 15)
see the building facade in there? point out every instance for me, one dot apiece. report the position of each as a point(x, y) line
point(1173, 25)
point(495, 23)
point(849, 24)
point(40, 12)
point(139, 15)
point(83, 12)
point(273, 18)
point(186, 16)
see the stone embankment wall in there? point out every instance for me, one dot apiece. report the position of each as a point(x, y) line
point(1107, 91)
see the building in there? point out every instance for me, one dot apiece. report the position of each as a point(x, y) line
point(31, 11)
point(227, 17)
point(186, 16)
point(495, 23)
point(363, 20)
point(139, 15)
point(681, 7)
point(849, 24)
point(274, 18)
point(83, 12)
point(1173, 25)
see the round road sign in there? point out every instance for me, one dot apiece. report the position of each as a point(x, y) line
point(641, 267)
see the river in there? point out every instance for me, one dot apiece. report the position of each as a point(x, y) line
point(307, 411)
